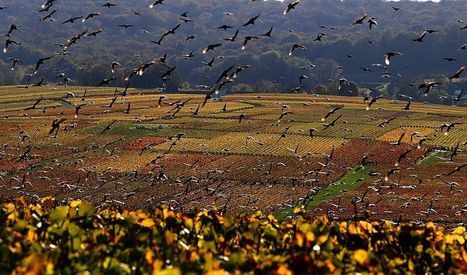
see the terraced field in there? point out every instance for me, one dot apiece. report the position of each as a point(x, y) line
point(243, 152)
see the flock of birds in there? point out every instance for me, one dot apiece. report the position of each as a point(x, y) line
point(227, 76)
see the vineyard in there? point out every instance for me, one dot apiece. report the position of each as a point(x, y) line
point(242, 153)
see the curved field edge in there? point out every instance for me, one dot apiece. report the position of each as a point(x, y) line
point(76, 238)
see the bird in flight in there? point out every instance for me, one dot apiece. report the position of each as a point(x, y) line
point(457, 74)
point(252, 20)
point(291, 6)
point(389, 55)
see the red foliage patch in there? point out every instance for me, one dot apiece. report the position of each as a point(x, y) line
point(380, 153)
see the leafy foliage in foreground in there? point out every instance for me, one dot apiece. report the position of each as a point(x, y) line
point(76, 237)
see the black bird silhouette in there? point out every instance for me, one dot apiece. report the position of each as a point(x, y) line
point(372, 101)
point(225, 27)
point(448, 126)
point(240, 118)
point(332, 123)
point(407, 107)
point(38, 84)
point(106, 81)
point(136, 13)
point(459, 96)
point(34, 105)
point(126, 26)
point(47, 3)
point(46, 7)
point(386, 122)
point(252, 20)
point(128, 108)
point(295, 47)
point(158, 2)
point(332, 111)
point(48, 16)
point(319, 37)
point(225, 73)
point(169, 32)
point(113, 100)
point(189, 55)
point(40, 62)
point(291, 6)
point(13, 28)
point(360, 20)
point(389, 55)
point(232, 39)
point(90, 16)
point(284, 134)
point(214, 90)
point(268, 33)
point(283, 114)
point(211, 47)
point(428, 86)
point(115, 64)
point(210, 63)
point(163, 58)
point(398, 142)
point(158, 42)
point(159, 103)
point(9, 42)
point(450, 59)
point(78, 108)
point(372, 22)
point(14, 61)
point(72, 20)
point(74, 39)
point(109, 5)
point(107, 128)
point(457, 74)
point(168, 72)
point(95, 33)
point(55, 127)
point(196, 112)
point(420, 37)
point(248, 38)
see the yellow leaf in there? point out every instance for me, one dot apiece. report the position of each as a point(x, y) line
point(75, 204)
point(299, 239)
point(149, 256)
point(283, 270)
point(311, 237)
point(459, 230)
point(31, 236)
point(450, 239)
point(217, 272)
point(361, 256)
point(298, 210)
point(149, 223)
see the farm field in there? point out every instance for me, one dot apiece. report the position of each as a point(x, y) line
point(241, 153)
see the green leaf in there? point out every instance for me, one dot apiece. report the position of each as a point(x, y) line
point(59, 214)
